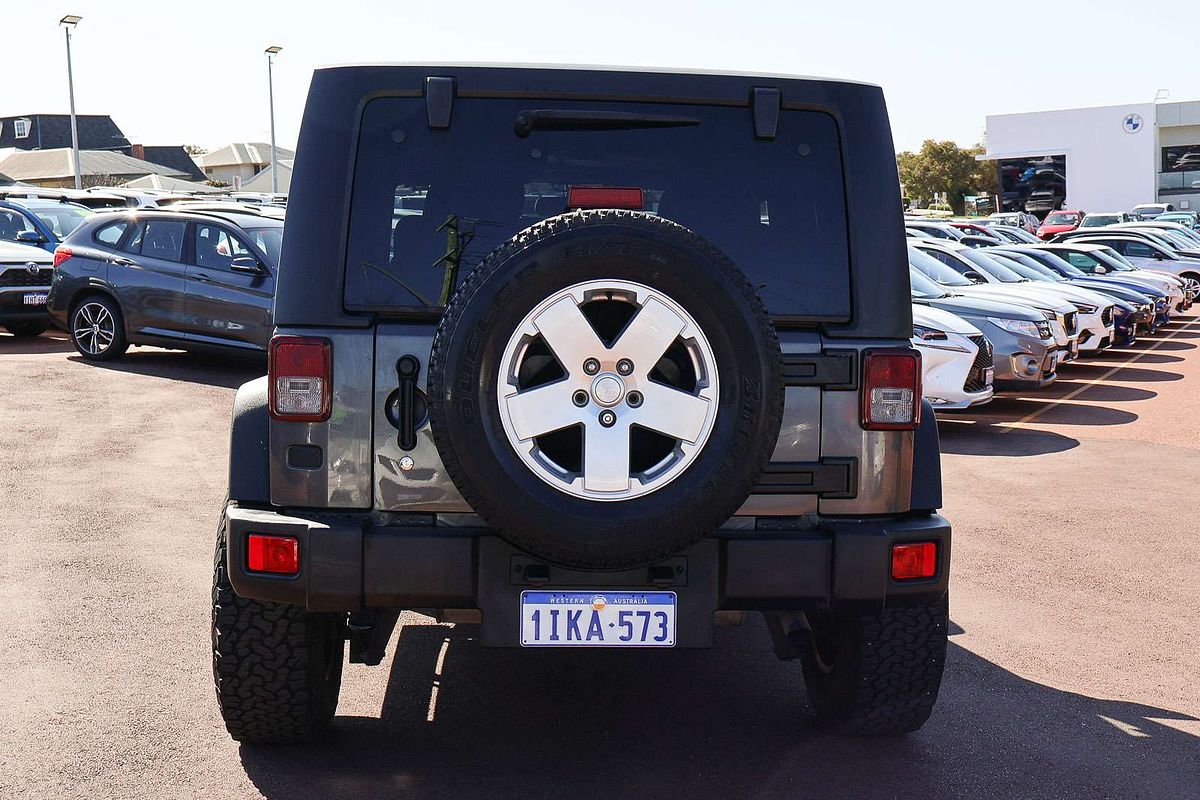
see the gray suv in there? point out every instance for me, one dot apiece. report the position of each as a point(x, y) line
point(590, 359)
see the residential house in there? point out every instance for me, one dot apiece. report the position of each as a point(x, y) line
point(96, 132)
point(236, 163)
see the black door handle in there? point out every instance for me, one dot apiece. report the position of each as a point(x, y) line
point(120, 262)
point(407, 369)
point(202, 277)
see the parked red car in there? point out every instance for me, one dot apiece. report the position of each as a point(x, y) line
point(1059, 222)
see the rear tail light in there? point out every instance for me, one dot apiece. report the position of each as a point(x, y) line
point(278, 555)
point(61, 254)
point(605, 197)
point(299, 378)
point(914, 560)
point(891, 392)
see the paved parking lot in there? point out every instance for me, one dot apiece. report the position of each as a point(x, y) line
point(1073, 667)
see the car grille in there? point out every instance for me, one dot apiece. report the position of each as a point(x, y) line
point(976, 376)
point(1071, 322)
point(21, 276)
point(1106, 316)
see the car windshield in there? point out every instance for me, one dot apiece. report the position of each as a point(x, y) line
point(1029, 268)
point(1096, 220)
point(429, 204)
point(62, 220)
point(923, 287)
point(1112, 260)
point(1061, 218)
point(1059, 264)
point(935, 269)
point(992, 267)
point(269, 240)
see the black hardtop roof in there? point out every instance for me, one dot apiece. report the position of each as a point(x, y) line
point(310, 293)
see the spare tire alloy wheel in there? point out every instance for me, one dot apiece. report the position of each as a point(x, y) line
point(608, 391)
point(605, 389)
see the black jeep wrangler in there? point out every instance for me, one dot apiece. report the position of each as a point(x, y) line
point(592, 359)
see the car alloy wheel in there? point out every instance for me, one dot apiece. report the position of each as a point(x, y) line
point(94, 328)
point(625, 403)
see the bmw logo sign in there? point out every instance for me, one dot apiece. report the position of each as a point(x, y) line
point(1132, 123)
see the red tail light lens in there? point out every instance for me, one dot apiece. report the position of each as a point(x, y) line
point(61, 254)
point(891, 392)
point(299, 378)
point(605, 197)
point(914, 560)
point(278, 555)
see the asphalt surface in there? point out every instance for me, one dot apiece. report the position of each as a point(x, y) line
point(1072, 673)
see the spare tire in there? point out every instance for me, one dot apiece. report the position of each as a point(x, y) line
point(605, 388)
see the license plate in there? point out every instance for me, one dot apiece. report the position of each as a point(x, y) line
point(597, 619)
point(35, 299)
point(989, 376)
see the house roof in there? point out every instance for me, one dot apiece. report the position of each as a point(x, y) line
point(48, 131)
point(262, 181)
point(170, 184)
point(57, 163)
point(242, 154)
point(175, 157)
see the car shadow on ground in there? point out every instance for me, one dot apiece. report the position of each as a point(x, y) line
point(177, 365)
point(727, 722)
point(963, 437)
point(35, 345)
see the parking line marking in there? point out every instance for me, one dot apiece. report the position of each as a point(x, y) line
point(1012, 426)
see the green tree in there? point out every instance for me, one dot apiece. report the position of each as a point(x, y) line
point(944, 167)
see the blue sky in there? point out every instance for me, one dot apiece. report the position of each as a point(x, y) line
point(172, 72)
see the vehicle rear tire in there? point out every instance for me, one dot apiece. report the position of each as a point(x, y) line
point(638, 286)
point(23, 330)
point(97, 328)
point(877, 674)
point(277, 667)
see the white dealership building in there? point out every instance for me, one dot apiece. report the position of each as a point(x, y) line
point(1099, 159)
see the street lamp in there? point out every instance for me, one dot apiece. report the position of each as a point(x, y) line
point(271, 52)
point(68, 24)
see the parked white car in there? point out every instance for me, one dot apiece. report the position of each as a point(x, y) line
point(956, 359)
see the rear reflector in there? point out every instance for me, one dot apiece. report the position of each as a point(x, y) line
point(891, 392)
point(605, 197)
point(914, 560)
point(61, 254)
point(278, 555)
point(299, 378)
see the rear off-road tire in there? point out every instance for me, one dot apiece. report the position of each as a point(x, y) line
point(277, 667)
point(880, 673)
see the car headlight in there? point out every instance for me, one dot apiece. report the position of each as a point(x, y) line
point(1084, 308)
point(929, 334)
point(1023, 327)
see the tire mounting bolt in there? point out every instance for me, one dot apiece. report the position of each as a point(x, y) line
point(634, 399)
point(580, 398)
point(608, 418)
point(591, 366)
point(625, 366)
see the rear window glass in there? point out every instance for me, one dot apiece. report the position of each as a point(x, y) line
point(428, 205)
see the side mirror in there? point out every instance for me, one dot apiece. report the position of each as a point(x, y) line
point(247, 265)
point(1100, 270)
point(973, 276)
point(1158, 256)
point(31, 237)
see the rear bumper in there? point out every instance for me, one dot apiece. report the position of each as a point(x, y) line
point(348, 565)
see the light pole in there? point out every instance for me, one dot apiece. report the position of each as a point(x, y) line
point(68, 24)
point(271, 53)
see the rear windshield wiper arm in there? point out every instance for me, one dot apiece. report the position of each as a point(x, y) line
point(562, 120)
